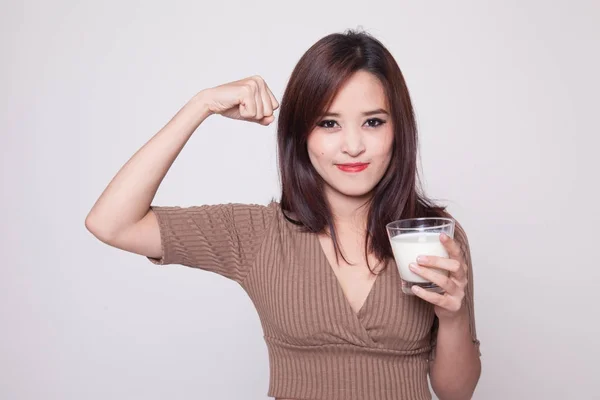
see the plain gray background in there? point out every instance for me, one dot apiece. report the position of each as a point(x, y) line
point(506, 95)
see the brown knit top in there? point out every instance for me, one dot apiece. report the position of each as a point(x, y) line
point(319, 348)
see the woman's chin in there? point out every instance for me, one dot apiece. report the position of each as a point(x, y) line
point(357, 193)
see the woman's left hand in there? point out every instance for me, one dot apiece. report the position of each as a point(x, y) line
point(448, 304)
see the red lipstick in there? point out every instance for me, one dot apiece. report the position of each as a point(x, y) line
point(353, 167)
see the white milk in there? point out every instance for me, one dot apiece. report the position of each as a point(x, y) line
point(408, 246)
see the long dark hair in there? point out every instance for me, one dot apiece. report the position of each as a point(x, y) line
point(318, 75)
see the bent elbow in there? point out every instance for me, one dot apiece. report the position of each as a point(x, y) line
point(97, 229)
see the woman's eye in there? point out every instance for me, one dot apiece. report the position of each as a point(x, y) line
point(328, 123)
point(375, 122)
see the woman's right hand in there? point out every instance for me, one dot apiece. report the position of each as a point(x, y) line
point(248, 99)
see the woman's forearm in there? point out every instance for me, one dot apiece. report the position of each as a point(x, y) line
point(128, 196)
point(455, 371)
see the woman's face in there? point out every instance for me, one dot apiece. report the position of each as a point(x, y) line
point(351, 146)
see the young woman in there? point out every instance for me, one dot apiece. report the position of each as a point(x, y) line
point(318, 265)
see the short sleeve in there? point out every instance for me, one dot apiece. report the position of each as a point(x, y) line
point(222, 238)
point(461, 237)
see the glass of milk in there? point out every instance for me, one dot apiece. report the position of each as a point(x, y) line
point(418, 236)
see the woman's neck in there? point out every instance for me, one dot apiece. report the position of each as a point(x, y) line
point(350, 217)
point(350, 214)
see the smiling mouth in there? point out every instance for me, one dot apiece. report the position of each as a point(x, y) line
point(354, 167)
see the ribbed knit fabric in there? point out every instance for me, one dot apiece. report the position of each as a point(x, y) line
point(319, 348)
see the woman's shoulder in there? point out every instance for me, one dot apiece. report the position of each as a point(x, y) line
point(286, 221)
point(270, 213)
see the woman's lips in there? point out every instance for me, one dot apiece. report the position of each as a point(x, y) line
point(354, 167)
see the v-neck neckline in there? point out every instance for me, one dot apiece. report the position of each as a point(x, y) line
point(330, 272)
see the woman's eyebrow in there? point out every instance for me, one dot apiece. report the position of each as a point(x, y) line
point(364, 113)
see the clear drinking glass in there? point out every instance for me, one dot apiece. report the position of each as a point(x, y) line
point(418, 236)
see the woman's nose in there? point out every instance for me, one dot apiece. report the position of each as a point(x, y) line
point(352, 142)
